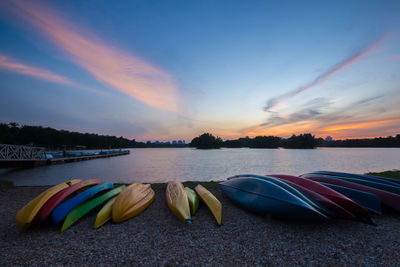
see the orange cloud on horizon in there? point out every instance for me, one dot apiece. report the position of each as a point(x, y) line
point(116, 69)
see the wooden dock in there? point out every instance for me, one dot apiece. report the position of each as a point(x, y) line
point(18, 157)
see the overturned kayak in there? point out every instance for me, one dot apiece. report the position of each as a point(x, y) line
point(367, 200)
point(63, 195)
point(178, 202)
point(105, 214)
point(89, 205)
point(193, 199)
point(26, 214)
point(211, 201)
point(384, 180)
point(267, 198)
point(64, 208)
point(132, 201)
point(387, 198)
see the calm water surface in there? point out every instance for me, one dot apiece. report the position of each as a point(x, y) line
point(187, 164)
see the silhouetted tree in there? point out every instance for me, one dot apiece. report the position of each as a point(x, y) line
point(206, 141)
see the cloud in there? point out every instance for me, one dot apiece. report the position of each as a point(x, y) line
point(326, 75)
point(114, 68)
point(13, 65)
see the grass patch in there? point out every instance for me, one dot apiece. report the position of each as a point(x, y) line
point(6, 184)
point(388, 174)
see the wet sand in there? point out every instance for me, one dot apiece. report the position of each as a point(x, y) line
point(157, 238)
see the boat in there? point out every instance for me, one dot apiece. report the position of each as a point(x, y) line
point(267, 198)
point(178, 202)
point(387, 198)
point(105, 214)
point(64, 208)
point(87, 206)
point(211, 201)
point(374, 184)
point(367, 200)
point(193, 199)
point(132, 201)
point(379, 179)
point(288, 187)
point(25, 215)
point(53, 202)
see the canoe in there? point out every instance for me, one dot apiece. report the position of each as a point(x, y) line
point(387, 198)
point(367, 200)
point(105, 214)
point(194, 200)
point(87, 206)
point(26, 214)
point(266, 198)
point(288, 187)
point(385, 180)
point(211, 201)
point(64, 208)
point(132, 201)
point(377, 185)
point(53, 202)
point(353, 207)
point(178, 202)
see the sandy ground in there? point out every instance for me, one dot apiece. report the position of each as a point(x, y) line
point(157, 238)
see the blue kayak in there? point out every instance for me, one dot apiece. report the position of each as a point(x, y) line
point(383, 180)
point(267, 198)
point(289, 188)
point(64, 208)
point(367, 200)
point(377, 185)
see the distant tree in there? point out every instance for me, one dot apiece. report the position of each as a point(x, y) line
point(305, 141)
point(265, 142)
point(206, 141)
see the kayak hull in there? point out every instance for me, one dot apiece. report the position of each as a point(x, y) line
point(177, 201)
point(211, 201)
point(193, 199)
point(105, 214)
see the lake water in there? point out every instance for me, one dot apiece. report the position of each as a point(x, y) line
point(154, 165)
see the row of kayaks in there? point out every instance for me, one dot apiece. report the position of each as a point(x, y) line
point(314, 196)
point(65, 203)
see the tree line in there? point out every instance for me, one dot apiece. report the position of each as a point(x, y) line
point(302, 141)
point(50, 138)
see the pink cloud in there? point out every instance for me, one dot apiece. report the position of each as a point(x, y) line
point(114, 68)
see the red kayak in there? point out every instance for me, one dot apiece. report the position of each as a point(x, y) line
point(389, 199)
point(338, 210)
point(61, 196)
point(325, 191)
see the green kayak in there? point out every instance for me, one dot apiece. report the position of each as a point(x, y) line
point(193, 200)
point(86, 207)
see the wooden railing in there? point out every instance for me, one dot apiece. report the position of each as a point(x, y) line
point(14, 152)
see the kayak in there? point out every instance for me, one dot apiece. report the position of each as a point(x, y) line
point(194, 200)
point(26, 214)
point(53, 202)
point(377, 185)
point(267, 198)
point(89, 205)
point(177, 201)
point(132, 201)
point(387, 198)
point(379, 179)
point(211, 201)
point(367, 200)
point(286, 186)
point(64, 208)
point(105, 214)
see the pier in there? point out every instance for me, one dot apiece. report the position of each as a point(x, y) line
point(14, 156)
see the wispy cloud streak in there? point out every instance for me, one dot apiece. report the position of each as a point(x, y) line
point(326, 75)
point(114, 68)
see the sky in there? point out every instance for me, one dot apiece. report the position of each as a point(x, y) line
point(171, 70)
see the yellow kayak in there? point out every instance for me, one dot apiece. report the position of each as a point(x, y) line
point(26, 215)
point(132, 201)
point(177, 201)
point(104, 214)
point(211, 201)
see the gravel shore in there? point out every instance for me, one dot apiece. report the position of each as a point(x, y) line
point(157, 238)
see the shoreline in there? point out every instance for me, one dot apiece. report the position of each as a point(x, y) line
point(157, 238)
